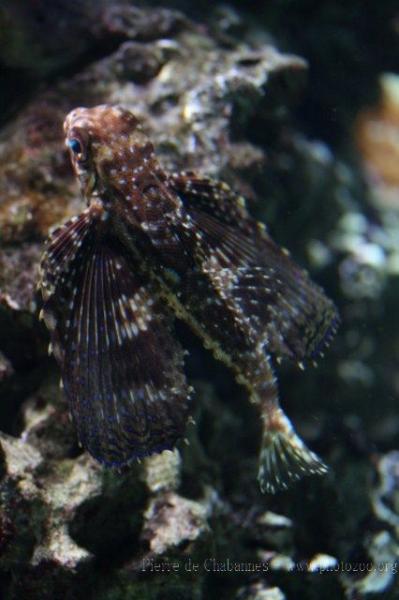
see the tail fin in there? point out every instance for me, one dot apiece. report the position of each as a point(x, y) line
point(284, 458)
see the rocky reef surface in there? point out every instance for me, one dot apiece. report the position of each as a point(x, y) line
point(226, 94)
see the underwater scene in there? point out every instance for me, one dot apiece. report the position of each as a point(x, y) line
point(199, 289)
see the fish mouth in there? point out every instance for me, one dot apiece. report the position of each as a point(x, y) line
point(88, 185)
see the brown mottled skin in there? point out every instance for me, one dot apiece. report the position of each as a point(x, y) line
point(152, 246)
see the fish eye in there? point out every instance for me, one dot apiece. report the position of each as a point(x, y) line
point(75, 145)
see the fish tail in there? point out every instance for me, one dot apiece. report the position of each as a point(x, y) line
point(284, 458)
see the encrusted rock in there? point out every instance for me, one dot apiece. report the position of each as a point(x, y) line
point(172, 519)
point(260, 591)
point(162, 471)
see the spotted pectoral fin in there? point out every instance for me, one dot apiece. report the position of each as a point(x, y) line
point(299, 319)
point(65, 245)
point(295, 321)
point(121, 366)
point(211, 197)
point(265, 288)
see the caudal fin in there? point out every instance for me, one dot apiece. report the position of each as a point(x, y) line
point(284, 458)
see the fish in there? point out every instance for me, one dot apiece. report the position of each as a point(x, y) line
point(151, 247)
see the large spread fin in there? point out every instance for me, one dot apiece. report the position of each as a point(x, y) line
point(121, 367)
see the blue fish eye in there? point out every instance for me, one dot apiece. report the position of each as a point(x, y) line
point(75, 146)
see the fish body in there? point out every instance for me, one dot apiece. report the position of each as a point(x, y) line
point(152, 246)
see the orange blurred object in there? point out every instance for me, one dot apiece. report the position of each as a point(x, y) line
point(377, 137)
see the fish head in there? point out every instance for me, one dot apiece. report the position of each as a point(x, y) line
point(108, 150)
